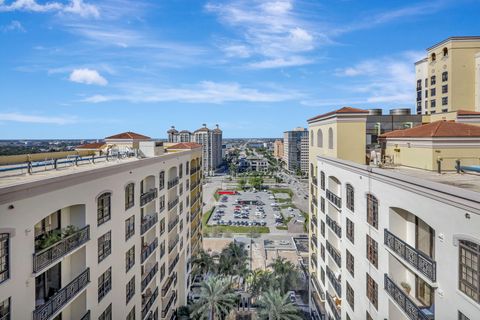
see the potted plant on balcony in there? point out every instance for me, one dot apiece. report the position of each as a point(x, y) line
point(69, 230)
point(50, 239)
point(406, 287)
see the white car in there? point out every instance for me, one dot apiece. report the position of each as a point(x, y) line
point(274, 204)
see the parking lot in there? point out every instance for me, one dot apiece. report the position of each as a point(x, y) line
point(249, 209)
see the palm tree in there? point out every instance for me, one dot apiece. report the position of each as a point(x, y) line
point(275, 306)
point(286, 274)
point(202, 263)
point(260, 281)
point(216, 300)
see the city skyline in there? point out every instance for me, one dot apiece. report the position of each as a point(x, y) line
point(92, 68)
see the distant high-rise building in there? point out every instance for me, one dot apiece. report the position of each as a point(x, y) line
point(210, 139)
point(278, 149)
point(295, 155)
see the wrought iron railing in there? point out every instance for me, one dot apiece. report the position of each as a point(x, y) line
point(170, 300)
point(148, 196)
point(47, 256)
point(172, 265)
point(172, 183)
point(148, 222)
point(173, 243)
point(398, 295)
point(334, 226)
point(168, 283)
point(194, 185)
point(149, 303)
point(334, 254)
point(86, 316)
point(173, 203)
point(146, 280)
point(62, 297)
point(417, 259)
point(172, 224)
point(333, 198)
point(334, 281)
point(333, 307)
point(147, 251)
point(315, 180)
point(314, 259)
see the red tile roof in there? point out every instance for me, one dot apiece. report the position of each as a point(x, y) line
point(128, 135)
point(344, 110)
point(95, 145)
point(185, 145)
point(440, 128)
point(468, 113)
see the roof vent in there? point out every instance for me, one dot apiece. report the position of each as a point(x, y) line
point(400, 112)
point(375, 112)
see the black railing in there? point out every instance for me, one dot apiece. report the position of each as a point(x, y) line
point(168, 283)
point(148, 221)
point(334, 254)
point(86, 316)
point(148, 196)
point(147, 251)
point(47, 256)
point(170, 300)
point(153, 271)
point(333, 307)
point(417, 259)
point(334, 226)
point(404, 301)
point(172, 265)
point(334, 281)
point(314, 200)
point(314, 259)
point(172, 183)
point(194, 214)
point(194, 185)
point(315, 180)
point(62, 297)
point(149, 303)
point(195, 198)
point(172, 224)
point(173, 243)
point(333, 198)
point(173, 203)
point(314, 240)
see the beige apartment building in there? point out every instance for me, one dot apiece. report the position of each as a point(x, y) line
point(103, 233)
point(295, 150)
point(448, 78)
point(382, 241)
point(278, 149)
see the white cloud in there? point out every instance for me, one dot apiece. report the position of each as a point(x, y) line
point(237, 50)
point(203, 92)
point(25, 118)
point(280, 62)
point(77, 7)
point(14, 25)
point(87, 76)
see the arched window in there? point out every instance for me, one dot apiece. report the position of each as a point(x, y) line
point(322, 180)
point(320, 138)
point(330, 138)
point(129, 195)
point(372, 210)
point(161, 184)
point(187, 167)
point(180, 171)
point(311, 138)
point(350, 197)
point(433, 57)
point(469, 269)
point(103, 208)
point(445, 52)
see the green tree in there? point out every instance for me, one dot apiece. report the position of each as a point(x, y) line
point(242, 182)
point(275, 306)
point(260, 281)
point(216, 300)
point(256, 182)
point(202, 263)
point(286, 274)
point(233, 260)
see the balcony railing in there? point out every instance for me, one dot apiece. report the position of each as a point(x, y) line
point(149, 303)
point(194, 214)
point(314, 200)
point(148, 221)
point(153, 271)
point(62, 297)
point(333, 198)
point(47, 256)
point(148, 196)
point(193, 170)
point(147, 251)
point(417, 259)
point(172, 224)
point(334, 226)
point(86, 316)
point(399, 295)
point(334, 281)
point(172, 265)
point(314, 240)
point(172, 183)
point(333, 307)
point(173, 203)
point(194, 185)
point(168, 283)
point(315, 180)
point(314, 259)
point(173, 243)
point(195, 198)
point(169, 303)
point(334, 254)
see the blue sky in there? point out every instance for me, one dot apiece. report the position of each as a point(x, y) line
point(88, 69)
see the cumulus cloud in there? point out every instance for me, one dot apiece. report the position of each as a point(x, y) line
point(77, 7)
point(14, 25)
point(87, 76)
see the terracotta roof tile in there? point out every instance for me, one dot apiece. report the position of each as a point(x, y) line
point(344, 110)
point(95, 145)
point(185, 145)
point(128, 135)
point(440, 128)
point(468, 113)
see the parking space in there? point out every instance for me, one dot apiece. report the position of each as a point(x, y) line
point(250, 208)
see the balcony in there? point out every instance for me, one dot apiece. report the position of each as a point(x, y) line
point(333, 307)
point(172, 183)
point(314, 200)
point(334, 226)
point(47, 256)
point(147, 222)
point(169, 301)
point(314, 240)
point(417, 259)
point(148, 249)
point(168, 283)
point(337, 285)
point(194, 214)
point(194, 170)
point(151, 299)
point(173, 244)
point(314, 259)
point(334, 254)
point(172, 224)
point(333, 198)
point(173, 203)
point(172, 265)
point(315, 180)
point(62, 297)
point(148, 196)
point(86, 316)
point(146, 280)
point(405, 303)
point(194, 185)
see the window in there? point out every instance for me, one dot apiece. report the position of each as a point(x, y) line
point(372, 291)
point(322, 228)
point(350, 198)
point(461, 316)
point(103, 208)
point(131, 314)
point(426, 82)
point(322, 204)
point(129, 196)
point(350, 263)
point(4, 257)
point(426, 93)
point(445, 88)
point(350, 230)
point(107, 314)
point(180, 171)
point(162, 272)
point(372, 251)
point(445, 52)
point(322, 252)
point(444, 101)
point(372, 210)
point(320, 138)
point(187, 168)
point(162, 226)
point(130, 227)
point(322, 180)
point(130, 289)
point(5, 309)
point(419, 85)
point(129, 258)
point(369, 317)
point(433, 104)
point(424, 292)
point(350, 296)
point(104, 246)
point(161, 180)
point(330, 138)
point(433, 80)
point(445, 76)
point(469, 277)
point(162, 203)
point(433, 57)
point(104, 284)
point(322, 275)
point(311, 138)
point(433, 92)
